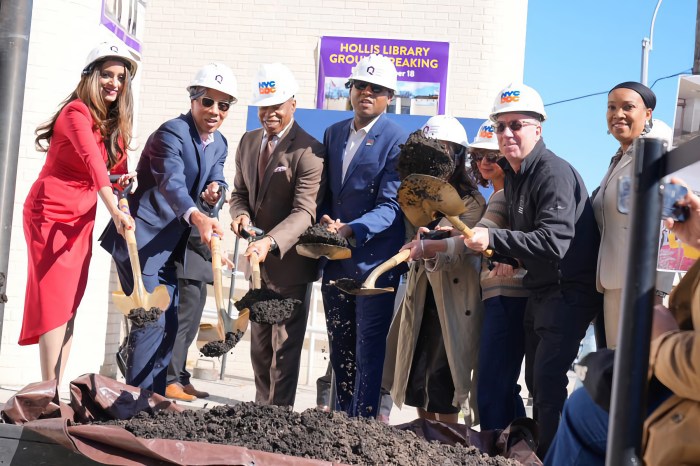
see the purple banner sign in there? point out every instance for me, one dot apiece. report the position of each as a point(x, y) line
point(124, 18)
point(421, 65)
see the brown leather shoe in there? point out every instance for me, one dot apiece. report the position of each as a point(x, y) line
point(190, 390)
point(176, 392)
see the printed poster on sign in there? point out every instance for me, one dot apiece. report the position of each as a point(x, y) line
point(674, 255)
point(125, 18)
point(421, 66)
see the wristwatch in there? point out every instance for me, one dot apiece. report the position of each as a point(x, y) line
point(273, 243)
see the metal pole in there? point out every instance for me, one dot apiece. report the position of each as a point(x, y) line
point(230, 302)
point(628, 407)
point(15, 26)
point(647, 46)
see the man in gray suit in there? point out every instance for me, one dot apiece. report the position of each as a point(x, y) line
point(278, 184)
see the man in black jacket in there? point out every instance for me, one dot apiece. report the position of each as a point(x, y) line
point(555, 237)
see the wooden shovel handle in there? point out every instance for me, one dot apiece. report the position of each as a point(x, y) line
point(466, 231)
point(216, 269)
point(139, 291)
point(255, 264)
point(402, 256)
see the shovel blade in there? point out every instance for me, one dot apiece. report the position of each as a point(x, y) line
point(421, 197)
point(123, 302)
point(317, 250)
point(241, 324)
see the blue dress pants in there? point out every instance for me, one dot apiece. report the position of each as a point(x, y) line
point(357, 331)
point(501, 352)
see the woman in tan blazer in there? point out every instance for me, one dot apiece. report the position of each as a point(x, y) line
point(629, 116)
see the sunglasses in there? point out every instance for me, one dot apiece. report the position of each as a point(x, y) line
point(362, 85)
point(515, 125)
point(490, 157)
point(208, 102)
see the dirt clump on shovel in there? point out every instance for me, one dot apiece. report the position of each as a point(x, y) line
point(424, 156)
point(267, 306)
point(319, 234)
point(215, 349)
point(141, 317)
point(311, 434)
point(349, 285)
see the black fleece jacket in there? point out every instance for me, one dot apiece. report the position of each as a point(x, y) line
point(553, 230)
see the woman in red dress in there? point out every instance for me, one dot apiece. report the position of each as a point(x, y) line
point(85, 140)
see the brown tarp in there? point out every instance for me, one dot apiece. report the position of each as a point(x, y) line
point(98, 398)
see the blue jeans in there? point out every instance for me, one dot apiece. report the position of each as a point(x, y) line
point(582, 436)
point(501, 353)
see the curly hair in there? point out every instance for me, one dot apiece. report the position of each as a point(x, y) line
point(475, 169)
point(115, 122)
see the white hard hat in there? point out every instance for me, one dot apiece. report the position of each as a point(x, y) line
point(376, 69)
point(485, 137)
point(216, 76)
point(106, 50)
point(518, 98)
point(660, 130)
point(445, 128)
point(274, 84)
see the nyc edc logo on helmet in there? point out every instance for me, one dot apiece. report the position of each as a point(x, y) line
point(370, 70)
point(267, 87)
point(510, 96)
point(426, 130)
point(218, 78)
point(114, 48)
point(486, 132)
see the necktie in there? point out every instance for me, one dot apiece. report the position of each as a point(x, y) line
point(265, 155)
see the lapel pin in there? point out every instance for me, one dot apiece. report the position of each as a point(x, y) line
point(370, 142)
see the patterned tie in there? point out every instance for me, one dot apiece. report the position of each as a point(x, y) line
point(265, 155)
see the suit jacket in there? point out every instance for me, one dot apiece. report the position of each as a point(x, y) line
point(285, 203)
point(366, 199)
point(172, 172)
point(614, 229)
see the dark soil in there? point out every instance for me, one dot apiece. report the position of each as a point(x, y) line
point(349, 285)
point(141, 317)
point(214, 349)
point(267, 306)
point(318, 234)
point(311, 434)
point(424, 156)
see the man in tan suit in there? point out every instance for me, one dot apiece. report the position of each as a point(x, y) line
point(278, 184)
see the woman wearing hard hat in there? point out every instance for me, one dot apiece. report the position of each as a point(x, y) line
point(630, 106)
point(433, 343)
point(84, 141)
point(502, 339)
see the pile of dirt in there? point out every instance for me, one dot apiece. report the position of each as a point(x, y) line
point(267, 306)
point(424, 156)
point(311, 434)
point(349, 285)
point(141, 317)
point(319, 234)
point(217, 348)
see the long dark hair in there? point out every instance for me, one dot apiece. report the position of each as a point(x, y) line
point(461, 179)
point(115, 122)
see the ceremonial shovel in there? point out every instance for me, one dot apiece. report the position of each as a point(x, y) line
point(421, 197)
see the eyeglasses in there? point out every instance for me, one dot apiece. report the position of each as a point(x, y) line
point(223, 105)
point(515, 125)
point(490, 157)
point(362, 85)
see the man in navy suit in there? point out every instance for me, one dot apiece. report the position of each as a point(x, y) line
point(182, 162)
point(360, 204)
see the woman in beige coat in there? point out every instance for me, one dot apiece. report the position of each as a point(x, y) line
point(433, 342)
point(630, 106)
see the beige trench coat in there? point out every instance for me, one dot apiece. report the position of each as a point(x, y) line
point(671, 431)
point(454, 277)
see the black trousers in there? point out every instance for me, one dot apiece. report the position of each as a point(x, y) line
point(556, 320)
point(193, 295)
